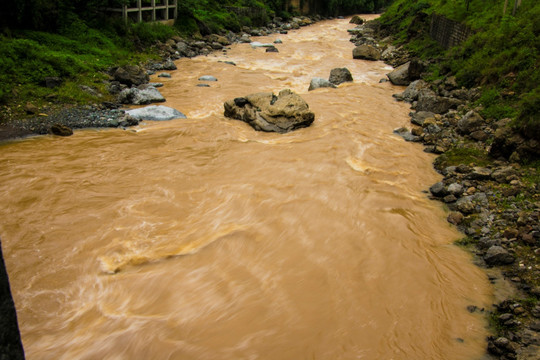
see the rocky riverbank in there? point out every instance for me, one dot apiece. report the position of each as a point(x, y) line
point(129, 85)
point(491, 193)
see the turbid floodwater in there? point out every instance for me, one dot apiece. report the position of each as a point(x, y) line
point(201, 238)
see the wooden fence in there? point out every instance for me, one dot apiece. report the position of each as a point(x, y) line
point(153, 10)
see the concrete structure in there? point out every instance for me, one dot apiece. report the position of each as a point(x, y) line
point(151, 10)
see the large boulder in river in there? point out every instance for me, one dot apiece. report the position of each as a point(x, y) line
point(131, 75)
point(135, 96)
point(340, 75)
point(268, 112)
point(366, 52)
point(156, 113)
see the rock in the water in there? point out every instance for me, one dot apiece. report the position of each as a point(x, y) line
point(169, 65)
point(156, 113)
point(366, 52)
point(340, 75)
point(272, 49)
point(165, 75)
point(60, 130)
point(320, 83)
point(131, 75)
point(208, 78)
point(267, 112)
point(356, 20)
point(278, 41)
point(497, 255)
point(137, 96)
point(257, 44)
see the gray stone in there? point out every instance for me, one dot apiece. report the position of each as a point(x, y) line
point(413, 91)
point(165, 75)
point(268, 112)
point(272, 49)
point(503, 174)
point(356, 20)
point(428, 101)
point(438, 189)
point(320, 83)
point(419, 117)
point(366, 52)
point(407, 135)
point(257, 44)
point(137, 96)
point(278, 41)
point(169, 65)
point(472, 121)
point(340, 75)
point(208, 78)
point(455, 189)
point(400, 75)
point(497, 255)
point(480, 173)
point(156, 113)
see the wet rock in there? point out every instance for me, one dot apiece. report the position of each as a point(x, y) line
point(208, 78)
point(340, 75)
point(317, 83)
point(438, 189)
point(60, 130)
point(156, 113)
point(137, 96)
point(278, 41)
point(169, 65)
point(165, 75)
point(407, 135)
point(366, 52)
point(497, 255)
point(356, 20)
point(257, 44)
point(131, 75)
point(272, 49)
point(400, 75)
point(268, 112)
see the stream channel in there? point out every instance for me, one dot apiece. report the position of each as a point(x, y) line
point(201, 238)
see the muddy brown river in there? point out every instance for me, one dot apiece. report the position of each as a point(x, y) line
point(204, 239)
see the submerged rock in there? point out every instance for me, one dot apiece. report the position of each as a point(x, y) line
point(156, 113)
point(268, 112)
point(208, 78)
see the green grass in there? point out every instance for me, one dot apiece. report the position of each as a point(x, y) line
point(502, 55)
point(465, 155)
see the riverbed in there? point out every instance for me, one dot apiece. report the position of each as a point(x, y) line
point(201, 238)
